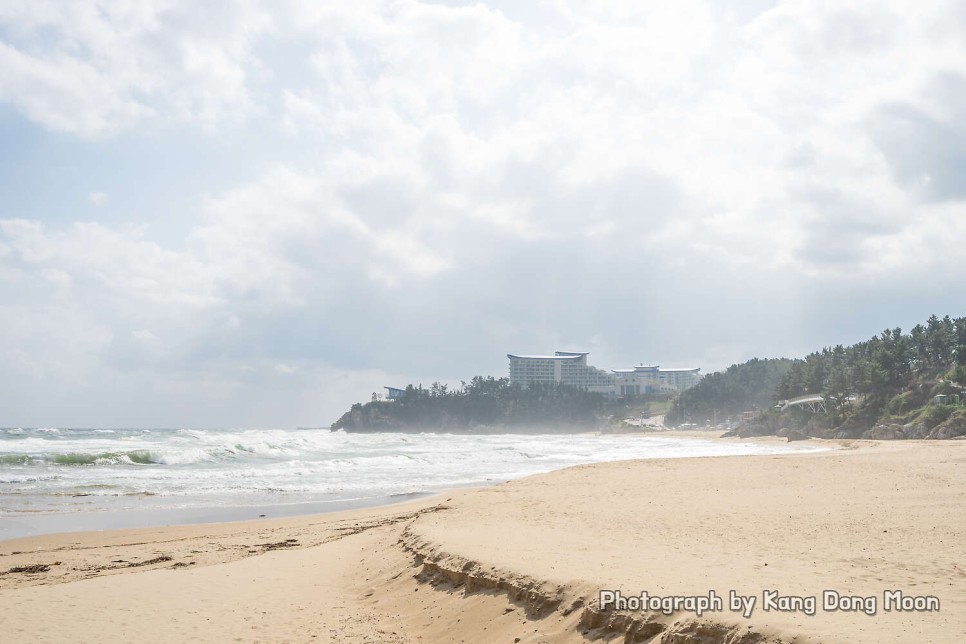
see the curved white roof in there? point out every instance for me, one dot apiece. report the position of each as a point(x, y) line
point(572, 357)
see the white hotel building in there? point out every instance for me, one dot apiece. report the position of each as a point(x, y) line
point(570, 368)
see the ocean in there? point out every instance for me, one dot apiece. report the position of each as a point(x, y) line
point(57, 479)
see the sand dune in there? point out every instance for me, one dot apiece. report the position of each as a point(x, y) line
point(525, 561)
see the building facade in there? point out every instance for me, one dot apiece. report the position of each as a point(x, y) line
point(564, 367)
point(654, 379)
point(571, 368)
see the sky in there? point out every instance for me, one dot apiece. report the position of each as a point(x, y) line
point(253, 214)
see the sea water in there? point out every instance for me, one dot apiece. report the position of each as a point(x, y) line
point(57, 479)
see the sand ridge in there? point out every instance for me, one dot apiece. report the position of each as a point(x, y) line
point(62, 558)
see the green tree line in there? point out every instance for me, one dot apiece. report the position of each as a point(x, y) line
point(740, 387)
point(481, 402)
point(876, 370)
point(864, 379)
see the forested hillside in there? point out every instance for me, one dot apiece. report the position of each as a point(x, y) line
point(739, 388)
point(885, 387)
point(883, 365)
point(483, 403)
point(894, 385)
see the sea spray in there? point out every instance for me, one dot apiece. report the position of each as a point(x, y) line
point(41, 470)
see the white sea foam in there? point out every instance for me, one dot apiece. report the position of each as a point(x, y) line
point(40, 468)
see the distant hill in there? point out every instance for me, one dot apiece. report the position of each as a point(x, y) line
point(483, 404)
point(741, 387)
point(893, 385)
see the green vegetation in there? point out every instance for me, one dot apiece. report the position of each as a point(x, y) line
point(893, 385)
point(883, 366)
point(739, 388)
point(891, 379)
point(484, 402)
point(884, 387)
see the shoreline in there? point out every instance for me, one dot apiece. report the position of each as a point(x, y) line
point(25, 525)
point(158, 511)
point(527, 558)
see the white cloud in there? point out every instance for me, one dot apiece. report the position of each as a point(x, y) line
point(94, 70)
point(65, 94)
point(416, 176)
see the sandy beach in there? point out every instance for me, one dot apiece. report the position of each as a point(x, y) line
point(525, 561)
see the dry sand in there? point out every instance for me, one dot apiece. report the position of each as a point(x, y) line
point(524, 561)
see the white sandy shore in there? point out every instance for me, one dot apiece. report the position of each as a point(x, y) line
point(527, 559)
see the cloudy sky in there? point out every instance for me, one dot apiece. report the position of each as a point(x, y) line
point(256, 213)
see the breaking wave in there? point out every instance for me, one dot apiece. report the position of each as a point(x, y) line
point(42, 469)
